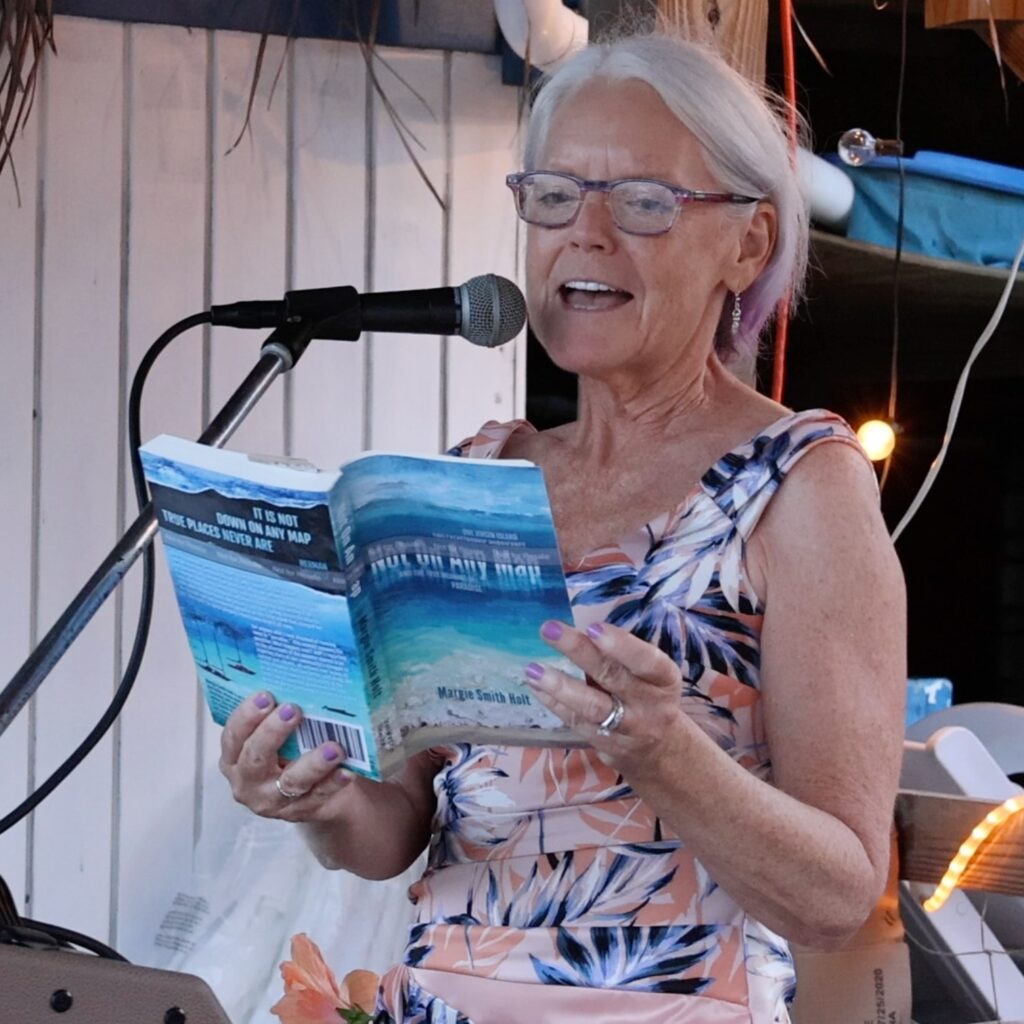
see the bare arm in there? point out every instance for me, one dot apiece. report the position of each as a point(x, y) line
point(373, 829)
point(808, 854)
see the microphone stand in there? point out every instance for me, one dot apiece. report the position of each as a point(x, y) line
point(279, 354)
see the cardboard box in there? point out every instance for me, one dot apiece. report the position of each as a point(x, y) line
point(865, 985)
point(868, 980)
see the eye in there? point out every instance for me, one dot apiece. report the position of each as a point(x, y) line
point(552, 196)
point(646, 200)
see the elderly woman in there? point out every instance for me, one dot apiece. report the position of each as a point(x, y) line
point(739, 610)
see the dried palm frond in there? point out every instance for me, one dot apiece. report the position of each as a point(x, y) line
point(810, 43)
point(368, 47)
point(26, 30)
point(405, 133)
point(993, 36)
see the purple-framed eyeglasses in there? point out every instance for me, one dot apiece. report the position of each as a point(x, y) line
point(640, 206)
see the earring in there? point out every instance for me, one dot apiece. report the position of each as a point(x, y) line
point(737, 313)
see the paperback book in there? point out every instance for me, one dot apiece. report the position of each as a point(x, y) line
point(396, 601)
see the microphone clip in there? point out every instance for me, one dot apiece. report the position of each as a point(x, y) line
point(306, 304)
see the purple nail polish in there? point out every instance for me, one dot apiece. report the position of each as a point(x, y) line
point(534, 671)
point(594, 630)
point(262, 701)
point(552, 630)
point(331, 753)
point(286, 713)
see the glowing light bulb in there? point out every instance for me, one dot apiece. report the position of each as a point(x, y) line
point(877, 438)
point(858, 147)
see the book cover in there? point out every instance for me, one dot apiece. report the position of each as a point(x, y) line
point(396, 601)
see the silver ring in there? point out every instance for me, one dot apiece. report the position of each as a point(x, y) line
point(286, 793)
point(613, 719)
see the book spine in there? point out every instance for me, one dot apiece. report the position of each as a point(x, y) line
point(359, 583)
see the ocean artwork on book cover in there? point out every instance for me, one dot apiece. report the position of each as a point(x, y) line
point(396, 603)
point(463, 568)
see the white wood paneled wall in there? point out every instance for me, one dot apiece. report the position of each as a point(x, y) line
point(132, 215)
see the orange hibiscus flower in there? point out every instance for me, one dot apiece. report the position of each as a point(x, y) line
point(312, 994)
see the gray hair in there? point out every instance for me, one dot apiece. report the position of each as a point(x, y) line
point(741, 130)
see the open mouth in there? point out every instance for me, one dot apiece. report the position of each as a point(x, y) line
point(593, 296)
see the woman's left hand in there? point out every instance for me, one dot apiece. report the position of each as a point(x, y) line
point(621, 669)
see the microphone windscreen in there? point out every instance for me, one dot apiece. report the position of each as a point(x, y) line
point(493, 310)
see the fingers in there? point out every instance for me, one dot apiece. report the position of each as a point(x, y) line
point(242, 723)
point(580, 706)
point(258, 756)
point(613, 658)
point(315, 791)
point(311, 772)
point(250, 742)
point(633, 704)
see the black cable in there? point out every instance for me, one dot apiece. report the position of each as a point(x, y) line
point(8, 909)
point(67, 937)
point(146, 598)
point(135, 399)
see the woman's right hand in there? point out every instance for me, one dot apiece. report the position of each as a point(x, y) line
point(311, 789)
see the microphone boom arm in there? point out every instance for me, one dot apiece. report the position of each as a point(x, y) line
point(279, 354)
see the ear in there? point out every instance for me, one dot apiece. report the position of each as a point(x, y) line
point(755, 247)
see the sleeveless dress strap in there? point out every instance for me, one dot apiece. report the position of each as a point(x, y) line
point(489, 440)
point(743, 482)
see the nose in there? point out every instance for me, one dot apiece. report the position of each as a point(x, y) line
point(594, 227)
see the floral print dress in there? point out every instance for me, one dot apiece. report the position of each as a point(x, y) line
point(552, 893)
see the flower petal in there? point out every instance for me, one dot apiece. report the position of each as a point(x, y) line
point(306, 1007)
point(362, 989)
point(307, 970)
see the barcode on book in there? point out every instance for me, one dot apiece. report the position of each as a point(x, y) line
point(314, 731)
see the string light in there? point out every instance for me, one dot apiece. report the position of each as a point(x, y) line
point(858, 147)
point(877, 438)
point(958, 865)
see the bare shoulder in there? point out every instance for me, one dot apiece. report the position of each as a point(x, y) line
point(535, 446)
point(825, 514)
point(831, 484)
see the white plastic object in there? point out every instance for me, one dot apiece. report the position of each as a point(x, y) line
point(554, 32)
point(827, 191)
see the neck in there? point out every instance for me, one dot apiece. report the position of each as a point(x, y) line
point(616, 418)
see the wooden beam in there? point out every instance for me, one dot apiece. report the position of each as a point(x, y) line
point(942, 13)
point(932, 826)
point(1011, 43)
point(738, 28)
point(1003, 17)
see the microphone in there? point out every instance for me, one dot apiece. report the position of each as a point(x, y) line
point(487, 310)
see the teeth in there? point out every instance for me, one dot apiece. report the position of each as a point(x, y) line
point(589, 286)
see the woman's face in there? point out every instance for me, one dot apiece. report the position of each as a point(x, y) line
point(669, 288)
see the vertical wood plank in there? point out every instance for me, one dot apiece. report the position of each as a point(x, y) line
point(485, 147)
point(248, 258)
point(329, 195)
point(17, 284)
point(80, 407)
point(405, 387)
point(249, 212)
point(167, 183)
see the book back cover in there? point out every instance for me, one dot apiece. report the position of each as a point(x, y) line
point(253, 558)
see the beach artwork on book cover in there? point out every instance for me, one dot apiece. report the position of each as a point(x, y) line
point(463, 566)
point(396, 603)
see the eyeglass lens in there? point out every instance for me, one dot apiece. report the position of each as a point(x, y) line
point(640, 207)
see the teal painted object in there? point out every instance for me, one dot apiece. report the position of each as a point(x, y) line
point(927, 695)
point(956, 208)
